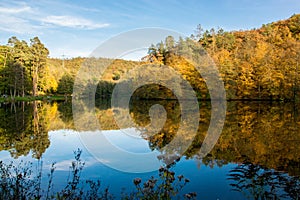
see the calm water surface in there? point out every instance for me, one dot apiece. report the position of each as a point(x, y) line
point(257, 154)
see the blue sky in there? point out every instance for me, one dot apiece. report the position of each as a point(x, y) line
point(76, 28)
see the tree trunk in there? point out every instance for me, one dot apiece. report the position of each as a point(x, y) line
point(22, 82)
point(4, 64)
point(34, 81)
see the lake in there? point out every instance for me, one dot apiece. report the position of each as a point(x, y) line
point(257, 154)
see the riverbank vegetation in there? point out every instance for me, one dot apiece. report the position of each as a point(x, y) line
point(25, 181)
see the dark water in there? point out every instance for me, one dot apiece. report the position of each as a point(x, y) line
point(256, 156)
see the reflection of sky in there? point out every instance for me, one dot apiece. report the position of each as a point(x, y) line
point(127, 139)
point(209, 183)
point(122, 150)
point(64, 142)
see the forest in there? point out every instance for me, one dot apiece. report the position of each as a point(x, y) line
point(257, 64)
point(254, 64)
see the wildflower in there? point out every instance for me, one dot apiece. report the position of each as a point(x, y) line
point(137, 181)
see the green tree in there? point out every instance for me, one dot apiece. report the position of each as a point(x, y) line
point(38, 62)
point(170, 43)
point(15, 71)
point(65, 85)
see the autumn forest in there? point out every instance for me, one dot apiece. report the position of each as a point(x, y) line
point(254, 64)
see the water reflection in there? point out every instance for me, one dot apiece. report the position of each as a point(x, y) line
point(264, 134)
point(257, 182)
point(24, 128)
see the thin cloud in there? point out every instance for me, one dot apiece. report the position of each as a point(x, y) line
point(14, 19)
point(15, 24)
point(10, 10)
point(73, 22)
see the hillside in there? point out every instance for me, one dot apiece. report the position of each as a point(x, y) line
point(255, 64)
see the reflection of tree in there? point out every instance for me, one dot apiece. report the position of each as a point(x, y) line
point(265, 134)
point(24, 128)
point(167, 137)
point(292, 187)
point(262, 133)
point(65, 110)
point(40, 129)
point(140, 113)
point(256, 182)
point(15, 120)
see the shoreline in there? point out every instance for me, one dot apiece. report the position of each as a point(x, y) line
point(10, 99)
point(69, 97)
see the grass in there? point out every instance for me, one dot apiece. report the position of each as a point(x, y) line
point(32, 98)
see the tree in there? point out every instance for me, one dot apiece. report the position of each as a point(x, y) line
point(22, 58)
point(170, 43)
point(47, 82)
point(15, 71)
point(65, 85)
point(199, 32)
point(38, 62)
